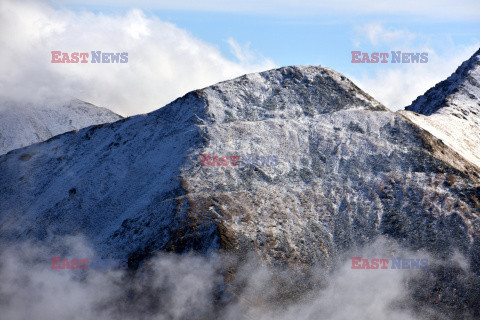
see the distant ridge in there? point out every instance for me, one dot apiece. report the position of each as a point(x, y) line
point(22, 125)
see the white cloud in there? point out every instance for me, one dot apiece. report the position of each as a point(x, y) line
point(164, 61)
point(459, 10)
point(377, 34)
point(243, 53)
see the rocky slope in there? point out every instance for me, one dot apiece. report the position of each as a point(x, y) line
point(348, 171)
point(451, 110)
point(22, 125)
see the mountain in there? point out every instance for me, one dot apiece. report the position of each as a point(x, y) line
point(451, 110)
point(323, 169)
point(22, 125)
point(348, 170)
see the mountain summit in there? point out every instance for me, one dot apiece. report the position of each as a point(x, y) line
point(451, 110)
point(458, 95)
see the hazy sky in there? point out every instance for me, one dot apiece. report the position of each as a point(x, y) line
point(177, 46)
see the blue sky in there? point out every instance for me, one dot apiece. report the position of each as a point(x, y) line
point(221, 39)
point(310, 39)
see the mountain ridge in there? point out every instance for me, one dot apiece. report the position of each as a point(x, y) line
point(22, 125)
point(451, 110)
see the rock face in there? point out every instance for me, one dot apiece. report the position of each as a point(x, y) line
point(348, 170)
point(22, 125)
point(451, 110)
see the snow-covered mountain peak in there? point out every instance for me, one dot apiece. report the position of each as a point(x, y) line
point(284, 93)
point(451, 110)
point(288, 93)
point(24, 124)
point(458, 95)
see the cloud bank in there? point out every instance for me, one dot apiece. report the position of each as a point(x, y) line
point(164, 61)
point(219, 286)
